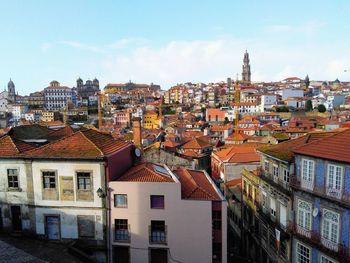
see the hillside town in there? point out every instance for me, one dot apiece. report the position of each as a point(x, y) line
point(241, 171)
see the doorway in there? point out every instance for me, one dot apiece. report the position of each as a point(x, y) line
point(53, 227)
point(121, 254)
point(16, 218)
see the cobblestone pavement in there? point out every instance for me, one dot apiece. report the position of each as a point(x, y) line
point(11, 254)
point(33, 250)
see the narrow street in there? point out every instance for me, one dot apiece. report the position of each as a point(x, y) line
point(9, 254)
point(23, 249)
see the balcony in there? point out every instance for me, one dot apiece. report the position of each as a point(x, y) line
point(122, 235)
point(308, 185)
point(334, 193)
point(329, 244)
point(302, 231)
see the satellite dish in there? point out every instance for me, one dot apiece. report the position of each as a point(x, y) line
point(137, 152)
point(315, 212)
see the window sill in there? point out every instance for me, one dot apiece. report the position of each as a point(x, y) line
point(14, 189)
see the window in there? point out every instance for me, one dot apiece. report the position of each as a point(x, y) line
point(120, 200)
point(304, 214)
point(157, 201)
point(275, 172)
point(264, 199)
point(157, 233)
point(283, 215)
point(121, 230)
point(334, 180)
point(307, 174)
point(286, 175)
point(266, 166)
point(330, 225)
point(84, 181)
point(12, 177)
point(86, 226)
point(49, 180)
point(273, 207)
point(325, 259)
point(303, 254)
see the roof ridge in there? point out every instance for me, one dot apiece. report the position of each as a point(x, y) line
point(198, 186)
point(91, 142)
point(13, 143)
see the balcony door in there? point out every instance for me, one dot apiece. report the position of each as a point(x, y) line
point(159, 256)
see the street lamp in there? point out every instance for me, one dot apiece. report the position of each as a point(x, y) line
point(100, 193)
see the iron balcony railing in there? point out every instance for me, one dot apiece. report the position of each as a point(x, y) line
point(158, 236)
point(122, 235)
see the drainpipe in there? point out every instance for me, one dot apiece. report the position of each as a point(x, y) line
point(108, 214)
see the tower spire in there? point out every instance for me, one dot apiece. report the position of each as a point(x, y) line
point(246, 68)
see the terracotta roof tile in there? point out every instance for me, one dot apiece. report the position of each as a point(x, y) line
point(196, 143)
point(239, 153)
point(196, 185)
point(10, 147)
point(83, 144)
point(335, 147)
point(284, 150)
point(147, 172)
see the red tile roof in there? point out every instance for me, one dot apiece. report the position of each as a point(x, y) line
point(335, 147)
point(196, 143)
point(196, 185)
point(146, 172)
point(85, 144)
point(10, 147)
point(284, 150)
point(239, 153)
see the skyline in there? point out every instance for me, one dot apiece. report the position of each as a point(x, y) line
point(169, 43)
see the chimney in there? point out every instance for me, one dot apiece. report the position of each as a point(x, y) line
point(137, 134)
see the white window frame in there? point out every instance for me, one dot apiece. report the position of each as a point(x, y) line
point(273, 212)
point(275, 172)
point(334, 183)
point(325, 259)
point(304, 216)
point(330, 227)
point(306, 260)
point(307, 173)
point(285, 174)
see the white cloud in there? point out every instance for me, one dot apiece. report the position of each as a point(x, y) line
point(205, 61)
point(82, 46)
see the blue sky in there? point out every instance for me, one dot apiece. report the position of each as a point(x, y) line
point(169, 42)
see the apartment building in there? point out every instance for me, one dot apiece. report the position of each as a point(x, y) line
point(322, 200)
point(159, 215)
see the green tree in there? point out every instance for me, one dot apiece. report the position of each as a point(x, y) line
point(308, 105)
point(307, 81)
point(321, 108)
point(226, 120)
point(282, 109)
